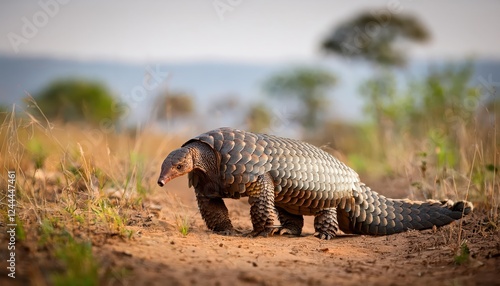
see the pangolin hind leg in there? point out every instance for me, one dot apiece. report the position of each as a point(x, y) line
point(261, 199)
point(326, 224)
point(215, 214)
point(290, 223)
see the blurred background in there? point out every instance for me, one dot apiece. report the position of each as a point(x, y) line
point(391, 87)
point(95, 94)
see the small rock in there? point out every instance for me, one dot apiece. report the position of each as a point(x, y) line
point(155, 207)
point(474, 263)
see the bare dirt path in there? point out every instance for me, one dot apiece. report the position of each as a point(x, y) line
point(160, 254)
point(205, 258)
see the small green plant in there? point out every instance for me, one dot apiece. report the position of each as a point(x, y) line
point(183, 223)
point(75, 214)
point(138, 161)
point(463, 254)
point(75, 257)
point(135, 179)
point(80, 266)
point(47, 230)
point(38, 152)
point(20, 232)
point(444, 150)
point(107, 213)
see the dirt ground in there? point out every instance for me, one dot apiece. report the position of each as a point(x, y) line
point(158, 254)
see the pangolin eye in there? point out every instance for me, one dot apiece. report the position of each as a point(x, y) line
point(179, 167)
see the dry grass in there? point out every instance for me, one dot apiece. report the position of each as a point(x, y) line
point(76, 187)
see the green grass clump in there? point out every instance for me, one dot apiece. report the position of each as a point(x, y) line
point(111, 217)
point(20, 231)
point(463, 254)
point(183, 223)
point(75, 258)
point(38, 152)
point(80, 266)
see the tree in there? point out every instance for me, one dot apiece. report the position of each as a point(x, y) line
point(258, 118)
point(375, 38)
point(309, 86)
point(78, 100)
point(174, 105)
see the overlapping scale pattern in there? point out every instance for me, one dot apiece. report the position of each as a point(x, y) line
point(375, 214)
point(307, 178)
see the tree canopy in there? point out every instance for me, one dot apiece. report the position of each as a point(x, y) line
point(258, 118)
point(78, 100)
point(375, 38)
point(308, 85)
point(174, 105)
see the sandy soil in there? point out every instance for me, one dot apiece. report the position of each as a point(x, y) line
point(158, 254)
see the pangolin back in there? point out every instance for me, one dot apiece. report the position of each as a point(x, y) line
point(306, 178)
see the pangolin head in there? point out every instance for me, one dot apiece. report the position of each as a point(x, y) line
point(179, 162)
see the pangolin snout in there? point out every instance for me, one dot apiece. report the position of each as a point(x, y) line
point(161, 182)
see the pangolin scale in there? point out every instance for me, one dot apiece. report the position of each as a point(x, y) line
point(292, 178)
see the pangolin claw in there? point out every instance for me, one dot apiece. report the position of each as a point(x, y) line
point(286, 231)
point(267, 231)
point(229, 232)
point(324, 235)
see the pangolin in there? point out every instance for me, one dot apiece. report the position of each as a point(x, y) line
point(292, 178)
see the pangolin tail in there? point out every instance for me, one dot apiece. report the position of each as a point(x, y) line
point(375, 214)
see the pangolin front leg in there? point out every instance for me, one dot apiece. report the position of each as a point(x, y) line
point(290, 223)
point(215, 214)
point(261, 199)
point(326, 224)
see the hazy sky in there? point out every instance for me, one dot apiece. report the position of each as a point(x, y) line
point(247, 31)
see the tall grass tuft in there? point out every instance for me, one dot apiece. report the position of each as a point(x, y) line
point(75, 184)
